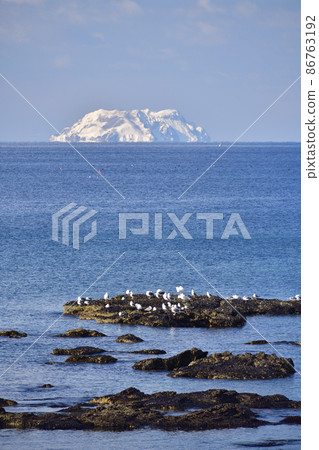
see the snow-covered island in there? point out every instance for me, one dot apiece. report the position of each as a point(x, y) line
point(138, 125)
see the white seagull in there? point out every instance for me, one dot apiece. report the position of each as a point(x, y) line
point(149, 308)
point(246, 298)
point(138, 306)
point(107, 306)
point(149, 294)
point(255, 296)
point(208, 295)
point(179, 288)
point(193, 293)
point(183, 297)
point(164, 308)
point(106, 296)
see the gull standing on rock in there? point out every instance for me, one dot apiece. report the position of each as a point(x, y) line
point(179, 288)
point(208, 295)
point(106, 296)
point(183, 297)
point(193, 293)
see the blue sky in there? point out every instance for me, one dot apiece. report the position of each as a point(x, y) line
point(221, 63)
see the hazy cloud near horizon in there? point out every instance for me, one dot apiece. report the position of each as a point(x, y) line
point(221, 63)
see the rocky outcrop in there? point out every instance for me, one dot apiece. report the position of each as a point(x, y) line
point(262, 342)
point(85, 350)
point(240, 367)
point(132, 409)
point(13, 334)
point(81, 333)
point(174, 362)
point(104, 359)
point(199, 311)
point(152, 351)
point(128, 339)
point(46, 386)
point(5, 402)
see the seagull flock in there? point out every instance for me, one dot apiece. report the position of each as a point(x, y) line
point(168, 304)
point(168, 298)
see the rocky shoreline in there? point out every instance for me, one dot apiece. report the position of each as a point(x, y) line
point(199, 311)
point(132, 409)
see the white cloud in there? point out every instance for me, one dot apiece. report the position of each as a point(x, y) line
point(129, 7)
point(206, 28)
point(209, 7)
point(246, 8)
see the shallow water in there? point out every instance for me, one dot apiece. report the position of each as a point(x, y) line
point(260, 181)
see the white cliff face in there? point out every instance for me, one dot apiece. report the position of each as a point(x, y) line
point(138, 125)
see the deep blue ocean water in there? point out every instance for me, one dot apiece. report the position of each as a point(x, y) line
point(261, 182)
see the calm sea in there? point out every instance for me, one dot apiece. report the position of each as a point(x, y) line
point(258, 181)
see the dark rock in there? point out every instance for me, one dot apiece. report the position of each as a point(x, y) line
point(262, 342)
point(174, 362)
point(5, 402)
point(80, 333)
point(104, 359)
point(200, 311)
point(86, 350)
point(132, 409)
point(153, 351)
point(46, 386)
point(12, 334)
point(128, 339)
point(240, 367)
point(291, 420)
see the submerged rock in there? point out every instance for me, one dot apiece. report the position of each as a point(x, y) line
point(12, 334)
point(174, 362)
point(291, 420)
point(128, 339)
point(85, 350)
point(104, 359)
point(5, 402)
point(45, 386)
point(262, 342)
point(81, 332)
point(239, 367)
point(153, 351)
